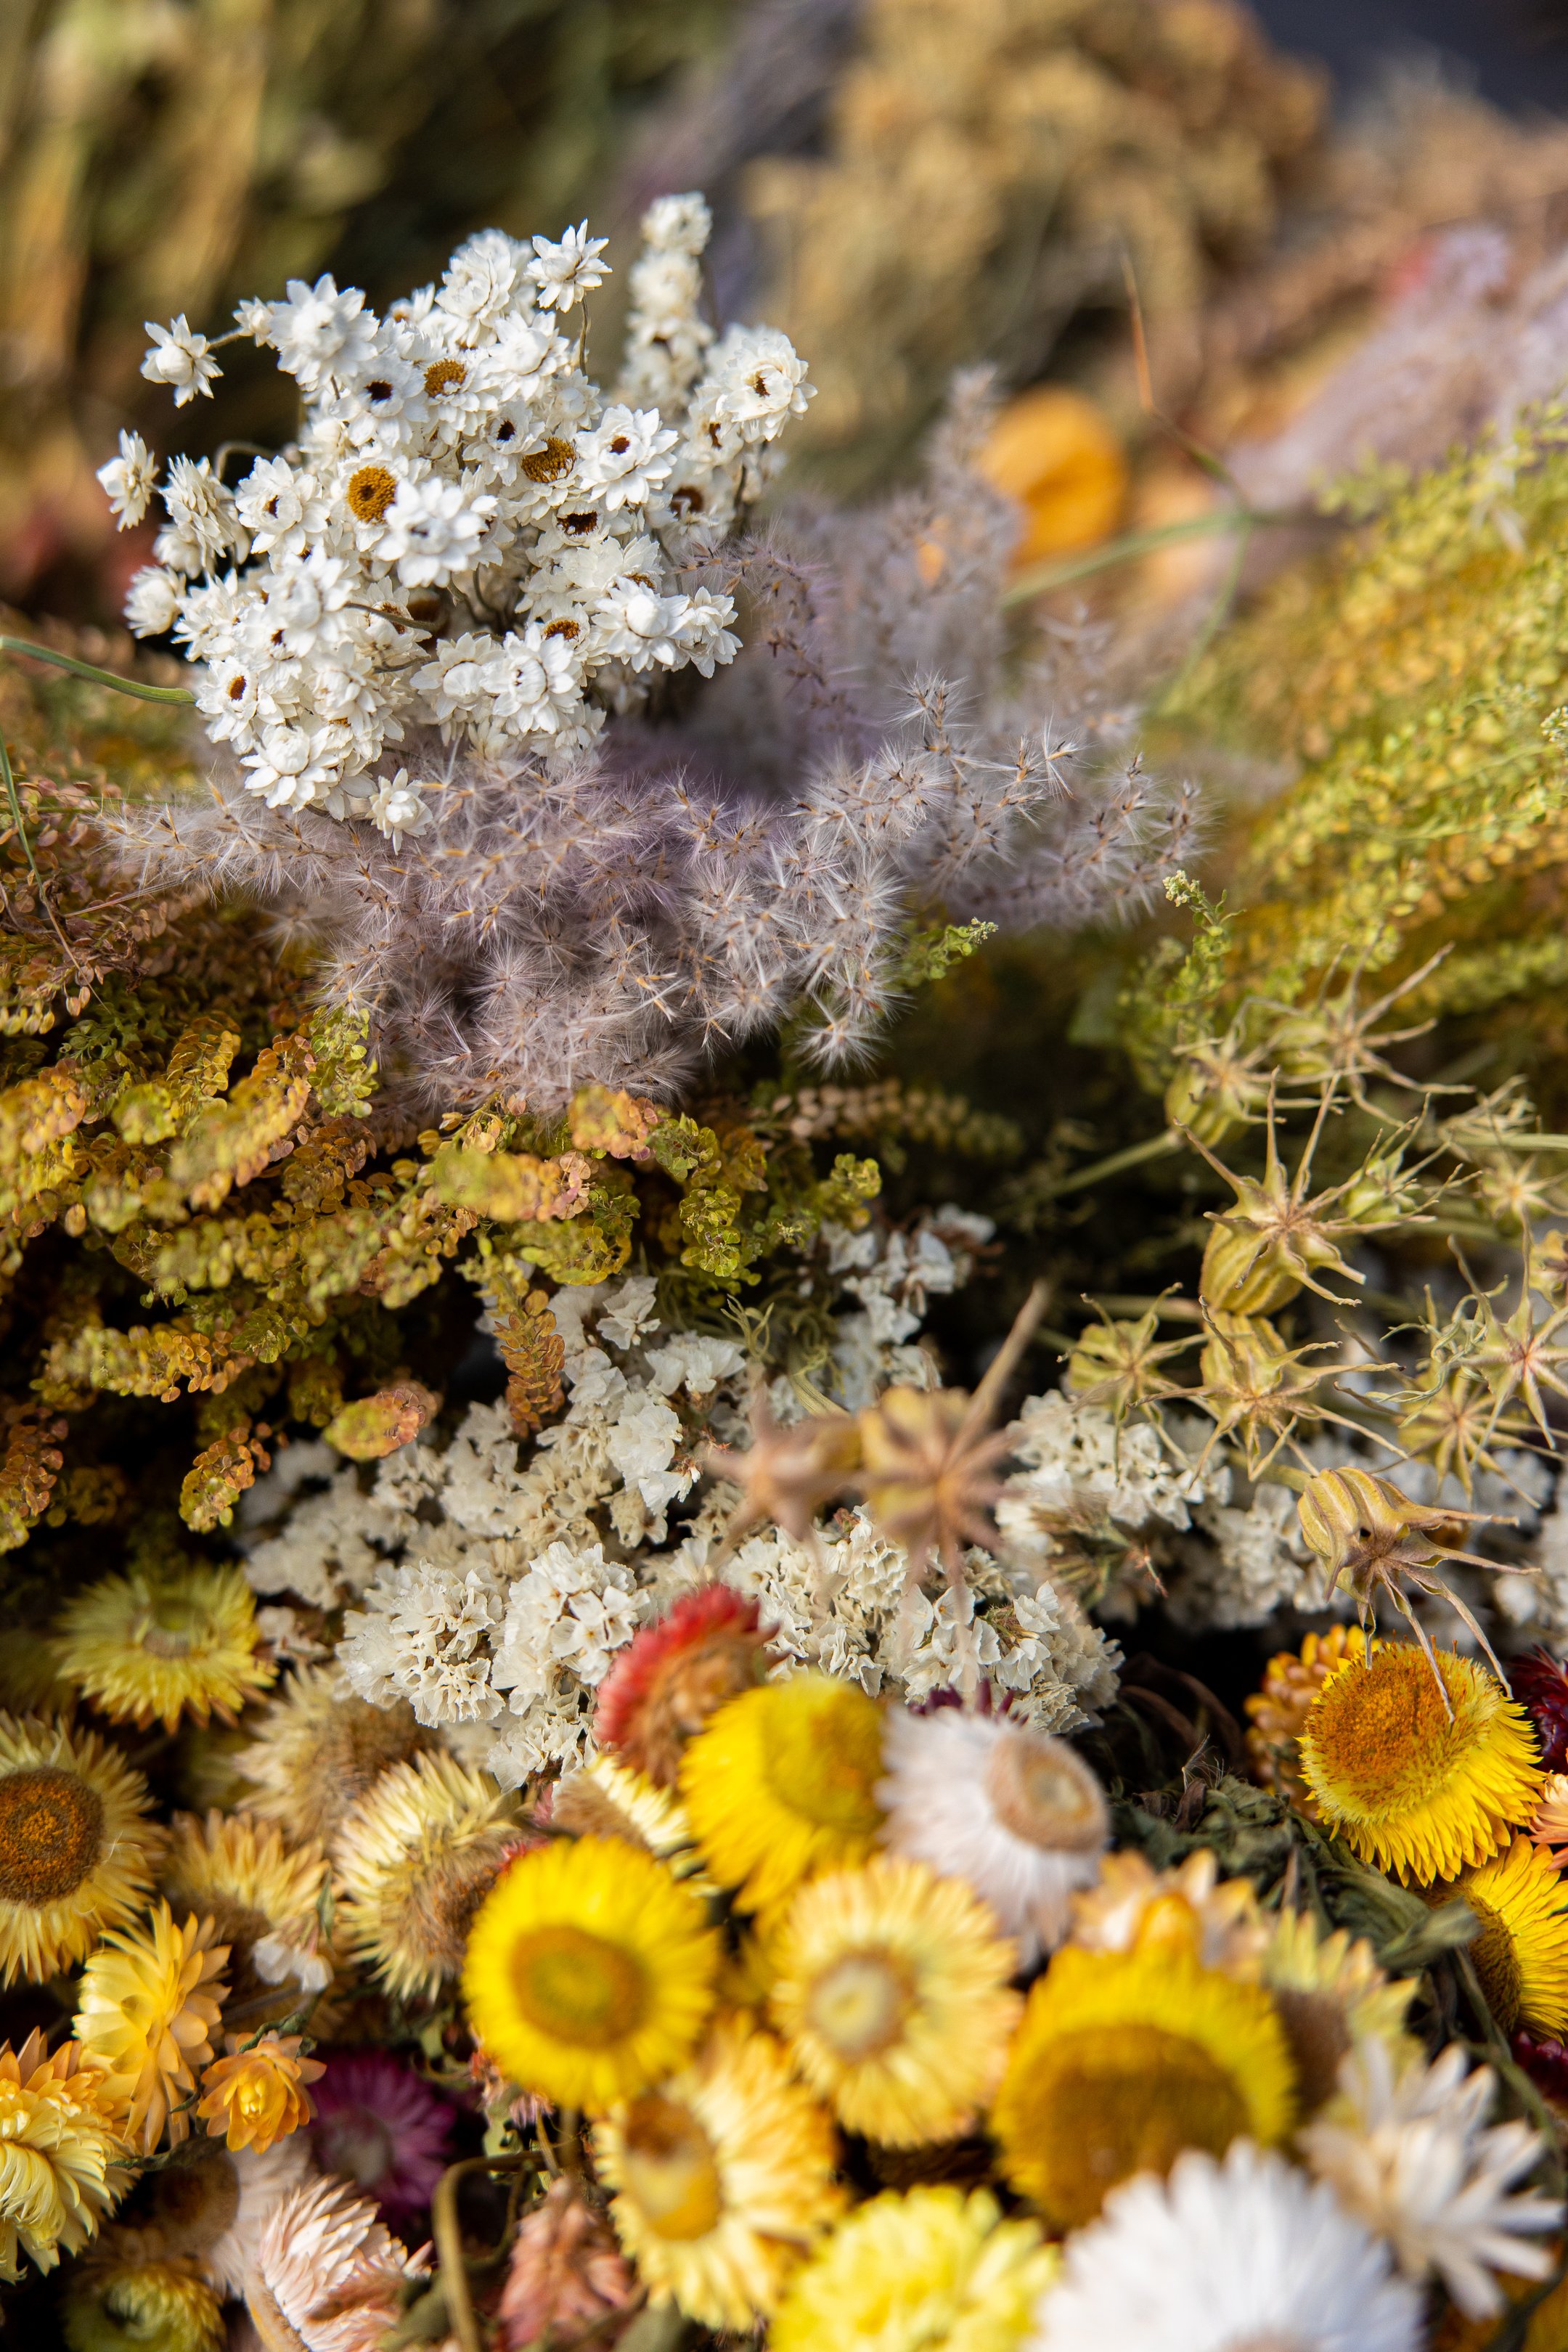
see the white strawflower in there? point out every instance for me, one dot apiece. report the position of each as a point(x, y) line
point(1244, 2256)
point(295, 765)
point(677, 225)
point(130, 480)
point(453, 680)
point(434, 529)
point(305, 598)
point(152, 604)
point(281, 507)
point(703, 633)
point(565, 270)
point(534, 681)
point(179, 357)
point(254, 319)
point(1413, 2156)
point(397, 808)
point(203, 527)
point(320, 332)
point(1011, 1810)
point(625, 457)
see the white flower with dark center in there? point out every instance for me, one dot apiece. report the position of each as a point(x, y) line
point(483, 277)
point(397, 808)
point(319, 333)
point(1244, 2256)
point(202, 524)
point(625, 457)
point(434, 529)
point(566, 268)
point(1414, 2157)
point(281, 507)
point(130, 480)
point(1015, 1813)
point(179, 358)
point(152, 604)
point(227, 693)
point(756, 381)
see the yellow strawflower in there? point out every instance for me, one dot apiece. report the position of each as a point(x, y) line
point(149, 2002)
point(1412, 1788)
point(722, 2179)
point(58, 2148)
point(1521, 1951)
point(76, 1845)
point(932, 2271)
point(892, 1993)
point(590, 1972)
point(149, 1647)
point(782, 1783)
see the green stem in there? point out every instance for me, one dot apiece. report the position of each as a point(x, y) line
point(100, 677)
point(1134, 544)
point(15, 805)
point(1153, 1147)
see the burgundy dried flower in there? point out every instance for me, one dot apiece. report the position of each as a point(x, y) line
point(1541, 1685)
point(1546, 2063)
point(379, 2124)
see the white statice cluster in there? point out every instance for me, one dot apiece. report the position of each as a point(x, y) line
point(469, 540)
point(491, 1585)
point(1129, 1510)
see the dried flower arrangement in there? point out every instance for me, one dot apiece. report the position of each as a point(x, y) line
point(632, 1823)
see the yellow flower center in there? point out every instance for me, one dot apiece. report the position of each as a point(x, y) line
point(1496, 1964)
point(440, 373)
point(1384, 1735)
point(860, 2003)
point(548, 465)
point(1040, 1791)
point(1108, 2102)
point(576, 1987)
point(51, 1833)
point(371, 490)
point(822, 1756)
point(669, 2168)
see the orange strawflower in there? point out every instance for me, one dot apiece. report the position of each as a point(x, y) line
point(256, 2096)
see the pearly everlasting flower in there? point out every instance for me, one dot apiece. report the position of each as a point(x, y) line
point(304, 598)
point(482, 277)
point(130, 480)
point(1413, 2157)
point(395, 808)
point(281, 507)
point(755, 380)
point(625, 457)
point(640, 628)
point(318, 332)
point(254, 318)
point(534, 681)
point(203, 523)
point(295, 765)
point(1244, 2256)
point(153, 604)
point(179, 358)
point(564, 270)
point(433, 527)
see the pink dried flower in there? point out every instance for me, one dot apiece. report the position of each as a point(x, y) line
point(566, 2271)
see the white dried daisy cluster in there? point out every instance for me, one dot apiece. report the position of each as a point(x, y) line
point(467, 541)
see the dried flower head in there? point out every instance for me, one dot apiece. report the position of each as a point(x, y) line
point(566, 2273)
point(59, 2144)
point(318, 1748)
point(257, 2094)
point(413, 1861)
point(672, 1677)
point(76, 1847)
point(149, 2002)
point(149, 1648)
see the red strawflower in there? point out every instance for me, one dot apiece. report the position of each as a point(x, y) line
point(1545, 2063)
point(675, 1675)
point(379, 2124)
point(1541, 1685)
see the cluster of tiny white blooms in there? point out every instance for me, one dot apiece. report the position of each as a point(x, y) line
point(424, 1635)
point(893, 1275)
point(1413, 2156)
point(1083, 1475)
point(565, 1619)
point(468, 537)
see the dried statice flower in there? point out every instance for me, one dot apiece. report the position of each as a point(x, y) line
point(448, 648)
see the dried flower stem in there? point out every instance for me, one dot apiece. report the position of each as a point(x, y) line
point(98, 677)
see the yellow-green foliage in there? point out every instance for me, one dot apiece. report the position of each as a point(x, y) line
point(1415, 675)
